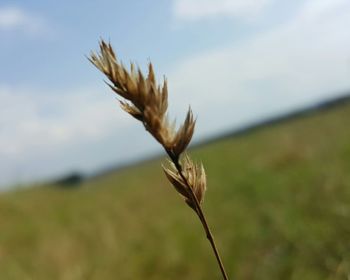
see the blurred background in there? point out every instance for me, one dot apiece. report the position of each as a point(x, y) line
point(269, 82)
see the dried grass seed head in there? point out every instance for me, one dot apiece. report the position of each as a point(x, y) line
point(146, 100)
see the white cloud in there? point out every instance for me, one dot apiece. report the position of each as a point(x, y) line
point(16, 19)
point(194, 10)
point(297, 63)
point(44, 133)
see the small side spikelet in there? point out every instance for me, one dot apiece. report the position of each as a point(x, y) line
point(195, 177)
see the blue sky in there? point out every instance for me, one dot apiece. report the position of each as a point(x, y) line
point(234, 61)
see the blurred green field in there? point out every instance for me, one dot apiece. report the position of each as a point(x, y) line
point(278, 201)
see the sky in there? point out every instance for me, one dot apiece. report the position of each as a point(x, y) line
point(235, 62)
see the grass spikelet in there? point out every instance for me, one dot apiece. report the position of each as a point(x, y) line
point(195, 178)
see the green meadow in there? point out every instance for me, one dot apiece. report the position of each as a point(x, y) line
point(278, 202)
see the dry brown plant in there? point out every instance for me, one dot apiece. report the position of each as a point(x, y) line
point(147, 102)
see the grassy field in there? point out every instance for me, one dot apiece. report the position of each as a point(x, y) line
point(278, 201)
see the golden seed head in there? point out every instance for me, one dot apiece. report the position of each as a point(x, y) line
point(148, 101)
